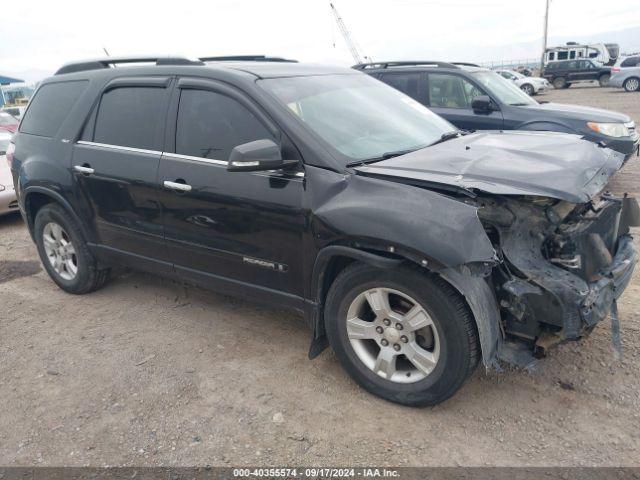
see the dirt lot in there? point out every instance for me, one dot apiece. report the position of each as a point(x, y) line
point(149, 372)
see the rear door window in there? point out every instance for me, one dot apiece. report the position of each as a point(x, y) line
point(210, 125)
point(132, 117)
point(50, 107)
point(408, 83)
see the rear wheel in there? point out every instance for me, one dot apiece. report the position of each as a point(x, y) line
point(603, 80)
point(402, 335)
point(559, 82)
point(632, 84)
point(64, 253)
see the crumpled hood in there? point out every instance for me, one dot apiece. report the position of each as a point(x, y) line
point(578, 112)
point(544, 164)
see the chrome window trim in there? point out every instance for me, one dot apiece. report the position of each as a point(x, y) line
point(176, 156)
point(196, 159)
point(118, 147)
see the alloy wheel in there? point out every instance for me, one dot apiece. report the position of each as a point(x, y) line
point(393, 335)
point(632, 85)
point(60, 251)
point(528, 89)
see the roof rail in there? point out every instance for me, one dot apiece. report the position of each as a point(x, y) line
point(408, 63)
point(246, 58)
point(466, 64)
point(108, 62)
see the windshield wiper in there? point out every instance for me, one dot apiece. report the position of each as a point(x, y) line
point(384, 156)
point(448, 136)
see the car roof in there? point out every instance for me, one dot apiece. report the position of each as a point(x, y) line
point(412, 66)
point(256, 66)
point(278, 70)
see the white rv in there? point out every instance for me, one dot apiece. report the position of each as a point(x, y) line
point(604, 53)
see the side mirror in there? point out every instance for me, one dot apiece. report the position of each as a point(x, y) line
point(256, 156)
point(482, 104)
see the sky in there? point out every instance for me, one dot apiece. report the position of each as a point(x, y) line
point(38, 36)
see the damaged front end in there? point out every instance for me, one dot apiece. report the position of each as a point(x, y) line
point(563, 265)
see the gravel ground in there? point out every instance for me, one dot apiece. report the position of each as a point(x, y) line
point(150, 372)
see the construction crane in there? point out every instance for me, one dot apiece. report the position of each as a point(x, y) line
point(353, 47)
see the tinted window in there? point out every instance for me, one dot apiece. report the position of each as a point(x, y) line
point(408, 83)
point(630, 62)
point(451, 91)
point(50, 106)
point(562, 55)
point(131, 117)
point(210, 125)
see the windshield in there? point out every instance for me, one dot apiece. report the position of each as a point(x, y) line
point(360, 117)
point(7, 120)
point(502, 89)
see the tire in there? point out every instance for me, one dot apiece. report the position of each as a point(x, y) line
point(528, 89)
point(559, 82)
point(603, 80)
point(631, 84)
point(448, 349)
point(64, 253)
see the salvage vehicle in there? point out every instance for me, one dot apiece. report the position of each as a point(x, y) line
point(411, 248)
point(529, 85)
point(474, 98)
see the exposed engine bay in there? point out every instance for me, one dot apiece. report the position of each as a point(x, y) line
point(562, 265)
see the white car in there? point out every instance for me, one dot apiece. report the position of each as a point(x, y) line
point(17, 111)
point(8, 201)
point(529, 85)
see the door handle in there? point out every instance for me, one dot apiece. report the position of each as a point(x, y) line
point(85, 170)
point(181, 187)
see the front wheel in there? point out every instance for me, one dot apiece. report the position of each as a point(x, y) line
point(631, 84)
point(402, 334)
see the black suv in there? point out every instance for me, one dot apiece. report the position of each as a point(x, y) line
point(474, 98)
point(564, 73)
point(411, 249)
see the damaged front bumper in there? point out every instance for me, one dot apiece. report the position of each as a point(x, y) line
point(615, 279)
point(564, 265)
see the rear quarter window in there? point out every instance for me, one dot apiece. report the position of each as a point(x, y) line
point(630, 62)
point(50, 107)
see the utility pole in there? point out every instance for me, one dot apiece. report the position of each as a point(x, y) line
point(544, 40)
